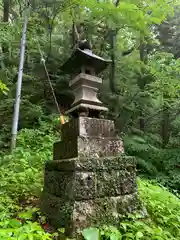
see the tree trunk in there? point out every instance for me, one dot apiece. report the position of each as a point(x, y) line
point(113, 67)
point(112, 36)
point(143, 58)
point(165, 126)
point(6, 6)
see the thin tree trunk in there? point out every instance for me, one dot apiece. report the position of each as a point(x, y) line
point(165, 124)
point(112, 35)
point(165, 129)
point(113, 66)
point(143, 58)
point(6, 6)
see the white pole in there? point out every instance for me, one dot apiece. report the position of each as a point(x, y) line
point(19, 83)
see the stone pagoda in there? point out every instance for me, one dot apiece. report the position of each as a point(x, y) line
point(89, 181)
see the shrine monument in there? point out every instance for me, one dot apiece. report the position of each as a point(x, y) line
point(90, 180)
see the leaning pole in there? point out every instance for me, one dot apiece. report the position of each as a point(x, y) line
point(19, 81)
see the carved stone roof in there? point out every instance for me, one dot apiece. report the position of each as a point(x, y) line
point(84, 57)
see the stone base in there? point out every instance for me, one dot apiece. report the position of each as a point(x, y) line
point(77, 215)
point(84, 192)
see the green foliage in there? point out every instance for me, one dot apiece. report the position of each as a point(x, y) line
point(21, 172)
point(163, 220)
point(23, 227)
point(3, 88)
point(13, 229)
point(154, 162)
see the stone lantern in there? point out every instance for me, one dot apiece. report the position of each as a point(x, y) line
point(84, 66)
point(90, 181)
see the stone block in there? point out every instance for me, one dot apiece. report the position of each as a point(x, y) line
point(81, 192)
point(76, 215)
point(89, 185)
point(88, 127)
point(92, 185)
point(59, 184)
point(86, 147)
point(90, 179)
point(92, 164)
point(86, 137)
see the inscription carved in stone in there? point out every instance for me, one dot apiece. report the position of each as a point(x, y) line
point(89, 127)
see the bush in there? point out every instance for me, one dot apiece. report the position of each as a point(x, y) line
point(14, 229)
point(153, 162)
point(163, 222)
point(21, 173)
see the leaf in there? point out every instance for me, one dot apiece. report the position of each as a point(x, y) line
point(30, 237)
point(61, 230)
point(3, 88)
point(115, 236)
point(139, 235)
point(26, 215)
point(91, 233)
point(14, 223)
point(129, 235)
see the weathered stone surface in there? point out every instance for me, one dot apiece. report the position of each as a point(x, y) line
point(89, 185)
point(56, 209)
point(59, 184)
point(65, 149)
point(99, 147)
point(92, 164)
point(86, 147)
point(88, 137)
point(88, 127)
point(85, 88)
point(74, 215)
point(81, 192)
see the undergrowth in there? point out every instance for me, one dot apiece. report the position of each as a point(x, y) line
point(163, 221)
point(21, 173)
point(153, 161)
point(21, 181)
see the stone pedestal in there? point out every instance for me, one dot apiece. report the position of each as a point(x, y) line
point(84, 137)
point(90, 181)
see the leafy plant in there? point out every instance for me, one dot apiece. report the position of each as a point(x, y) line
point(3, 87)
point(163, 220)
point(21, 172)
point(14, 229)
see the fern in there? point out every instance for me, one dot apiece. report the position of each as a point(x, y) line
point(145, 167)
point(137, 144)
point(153, 161)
